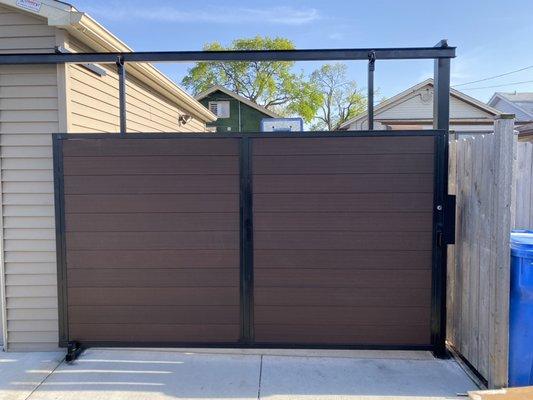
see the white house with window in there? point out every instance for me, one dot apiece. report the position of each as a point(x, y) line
point(413, 109)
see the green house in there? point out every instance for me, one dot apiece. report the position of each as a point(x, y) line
point(234, 112)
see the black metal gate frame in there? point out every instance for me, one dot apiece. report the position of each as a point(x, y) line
point(443, 234)
point(444, 205)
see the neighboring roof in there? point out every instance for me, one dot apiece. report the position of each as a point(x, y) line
point(515, 96)
point(525, 129)
point(86, 29)
point(389, 103)
point(522, 101)
point(238, 97)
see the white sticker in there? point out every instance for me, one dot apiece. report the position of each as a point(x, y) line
point(34, 5)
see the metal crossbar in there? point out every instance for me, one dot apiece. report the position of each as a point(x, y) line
point(412, 53)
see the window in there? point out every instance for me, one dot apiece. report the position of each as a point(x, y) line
point(219, 108)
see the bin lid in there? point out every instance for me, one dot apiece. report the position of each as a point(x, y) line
point(522, 243)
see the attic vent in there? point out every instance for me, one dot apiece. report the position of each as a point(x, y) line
point(426, 96)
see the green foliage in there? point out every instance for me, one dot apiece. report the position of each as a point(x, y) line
point(340, 97)
point(271, 84)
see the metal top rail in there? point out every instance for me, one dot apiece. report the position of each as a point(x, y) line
point(410, 53)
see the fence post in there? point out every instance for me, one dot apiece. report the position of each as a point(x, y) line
point(505, 143)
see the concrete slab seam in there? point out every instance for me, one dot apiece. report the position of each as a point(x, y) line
point(44, 379)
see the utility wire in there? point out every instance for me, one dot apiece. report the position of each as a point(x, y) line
point(495, 76)
point(495, 86)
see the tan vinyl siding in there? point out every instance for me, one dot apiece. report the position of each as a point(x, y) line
point(94, 103)
point(28, 117)
point(28, 211)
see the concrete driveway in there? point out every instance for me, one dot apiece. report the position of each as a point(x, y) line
point(231, 374)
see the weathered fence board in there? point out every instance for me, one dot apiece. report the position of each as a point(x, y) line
point(524, 186)
point(482, 176)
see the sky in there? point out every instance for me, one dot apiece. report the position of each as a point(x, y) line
point(492, 37)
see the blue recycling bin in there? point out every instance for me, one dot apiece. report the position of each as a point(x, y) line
point(521, 310)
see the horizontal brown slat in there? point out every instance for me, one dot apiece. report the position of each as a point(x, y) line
point(362, 202)
point(362, 297)
point(153, 277)
point(153, 258)
point(344, 221)
point(153, 240)
point(283, 240)
point(344, 164)
point(306, 278)
point(152, 222)
point(344, 145)
point(354, 259)
point(146, 184)
point(400, 335)
point(123, 203)
point(346, 183)
point(351, 316)
point(154, 333)
point(144, 165)
point(154, 147)
point(200, 296)
point(184, 315)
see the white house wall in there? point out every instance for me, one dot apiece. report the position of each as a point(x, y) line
point(419, 105)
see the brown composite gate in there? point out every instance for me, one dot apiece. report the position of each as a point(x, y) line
point(152, 240)
point(308, 240)
point(343, 239)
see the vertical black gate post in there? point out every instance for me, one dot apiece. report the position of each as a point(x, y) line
point(59, 200)
point(441, 120)
point(246, 242)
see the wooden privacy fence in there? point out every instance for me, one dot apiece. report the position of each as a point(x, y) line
point(524, 186)
point(482, 175)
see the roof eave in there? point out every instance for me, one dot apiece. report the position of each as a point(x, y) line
point(86, 26)
point(86, 29)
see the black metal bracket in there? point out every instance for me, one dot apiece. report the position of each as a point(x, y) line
point(74, 350)
point(372, 60)
point(370, 100)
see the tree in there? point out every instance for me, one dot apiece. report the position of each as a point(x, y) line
point(341, 98)
point(271, 84)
